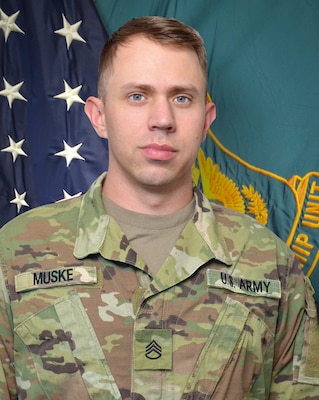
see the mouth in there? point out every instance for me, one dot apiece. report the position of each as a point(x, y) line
point(158, 152)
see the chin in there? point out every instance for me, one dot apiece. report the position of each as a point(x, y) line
point(155, 181)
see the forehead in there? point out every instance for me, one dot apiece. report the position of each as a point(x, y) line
point(139, 44)
point(141, 57)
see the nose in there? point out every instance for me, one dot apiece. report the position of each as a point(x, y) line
point(161, 115)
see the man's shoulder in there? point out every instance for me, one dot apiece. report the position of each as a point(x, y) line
point(224, 214)
point(42, 221)
point(238, 232)
point(244, 227)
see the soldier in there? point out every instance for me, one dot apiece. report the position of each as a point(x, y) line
point(142, 289)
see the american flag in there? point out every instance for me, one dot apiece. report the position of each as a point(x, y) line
point(49, 52)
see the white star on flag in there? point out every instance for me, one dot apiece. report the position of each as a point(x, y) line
point(15, 148)
point(47, 47)
point(12, 92)
point(8, 25)
point(19, 200)
point(70, 95)
point(67, 196)
point(70, 31)
point(70, 153)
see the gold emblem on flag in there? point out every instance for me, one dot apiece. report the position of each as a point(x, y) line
point(222, 189)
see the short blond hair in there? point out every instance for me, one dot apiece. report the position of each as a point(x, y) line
point(165, 31)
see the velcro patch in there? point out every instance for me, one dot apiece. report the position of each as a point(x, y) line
point(153, 349)
point(252, 287)
point(311, 365)
point(43, 279)
point(309, 371)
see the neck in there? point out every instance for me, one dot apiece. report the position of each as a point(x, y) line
point(148, 200)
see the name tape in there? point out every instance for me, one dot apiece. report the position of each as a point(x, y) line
point(40, 279)
point(253, 287)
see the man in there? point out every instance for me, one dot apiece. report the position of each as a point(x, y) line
point(142, 289)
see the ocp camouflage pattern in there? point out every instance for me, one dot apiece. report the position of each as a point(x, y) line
point(228, 316)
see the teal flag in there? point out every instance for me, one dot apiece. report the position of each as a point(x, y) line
point(262, 155)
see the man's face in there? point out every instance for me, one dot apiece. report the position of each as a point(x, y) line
point(155, 114)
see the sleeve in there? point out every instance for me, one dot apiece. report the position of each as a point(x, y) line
point(8, 388)
point(296, 356)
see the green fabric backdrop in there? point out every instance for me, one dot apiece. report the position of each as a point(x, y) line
point(263, 149)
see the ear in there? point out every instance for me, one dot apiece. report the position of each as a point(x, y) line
point(210, 116)
point(94, 109)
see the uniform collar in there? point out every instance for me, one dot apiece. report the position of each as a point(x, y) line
point(92, 221)
point(97, 232)
point(208, 227)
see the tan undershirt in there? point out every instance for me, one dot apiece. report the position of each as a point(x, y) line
point(151, 236)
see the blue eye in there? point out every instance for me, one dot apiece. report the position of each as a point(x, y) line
point(182, 99)
point(137, 97)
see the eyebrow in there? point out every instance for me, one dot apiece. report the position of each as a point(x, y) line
point(150, 88)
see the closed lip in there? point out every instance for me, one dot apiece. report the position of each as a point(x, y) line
point(161, 152)
point(159, 147)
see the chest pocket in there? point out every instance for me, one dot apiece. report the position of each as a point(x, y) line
point(59, 356)
point(232, 357)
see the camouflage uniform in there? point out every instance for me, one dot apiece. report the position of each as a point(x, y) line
point(227, 317)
